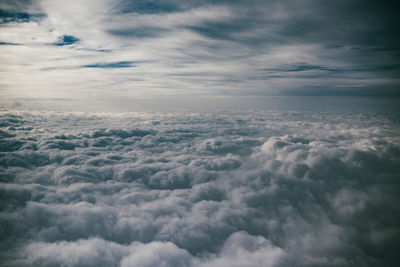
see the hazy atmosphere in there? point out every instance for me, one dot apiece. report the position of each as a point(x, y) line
point(199, 133)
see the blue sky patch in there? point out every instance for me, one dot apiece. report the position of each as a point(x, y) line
point(111, 65)
point(148, 7)
point(7, 43)
point(67, 40)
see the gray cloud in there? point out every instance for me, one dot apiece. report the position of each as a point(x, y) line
point(203, 47)
point(250, 189)
point(19, 11)
point(141, 32)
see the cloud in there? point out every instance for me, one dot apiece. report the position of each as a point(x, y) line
point(196, 48)
point(242, 249)
point(160, 254)
point(5, 43)
point(199, 189)
point(137, 32)
point(91, 252)
point(20, 11)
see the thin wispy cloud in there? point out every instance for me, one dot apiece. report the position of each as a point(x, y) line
point(246, 48)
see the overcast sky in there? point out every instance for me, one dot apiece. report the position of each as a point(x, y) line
point(103, 49)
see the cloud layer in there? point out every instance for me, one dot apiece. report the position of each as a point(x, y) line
point(174, 189)
point(194, 48)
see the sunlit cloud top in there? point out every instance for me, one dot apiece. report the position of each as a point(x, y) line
point(104, 48)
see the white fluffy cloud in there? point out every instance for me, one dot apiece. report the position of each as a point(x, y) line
point(174, 189)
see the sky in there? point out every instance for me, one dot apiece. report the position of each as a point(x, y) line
point(117, 50)
point(199, 133)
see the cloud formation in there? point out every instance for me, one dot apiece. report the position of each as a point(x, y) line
point(189, 189)
point(198, 48)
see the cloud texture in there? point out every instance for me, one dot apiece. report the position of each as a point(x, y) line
point(174, 189)
point(171, 48)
